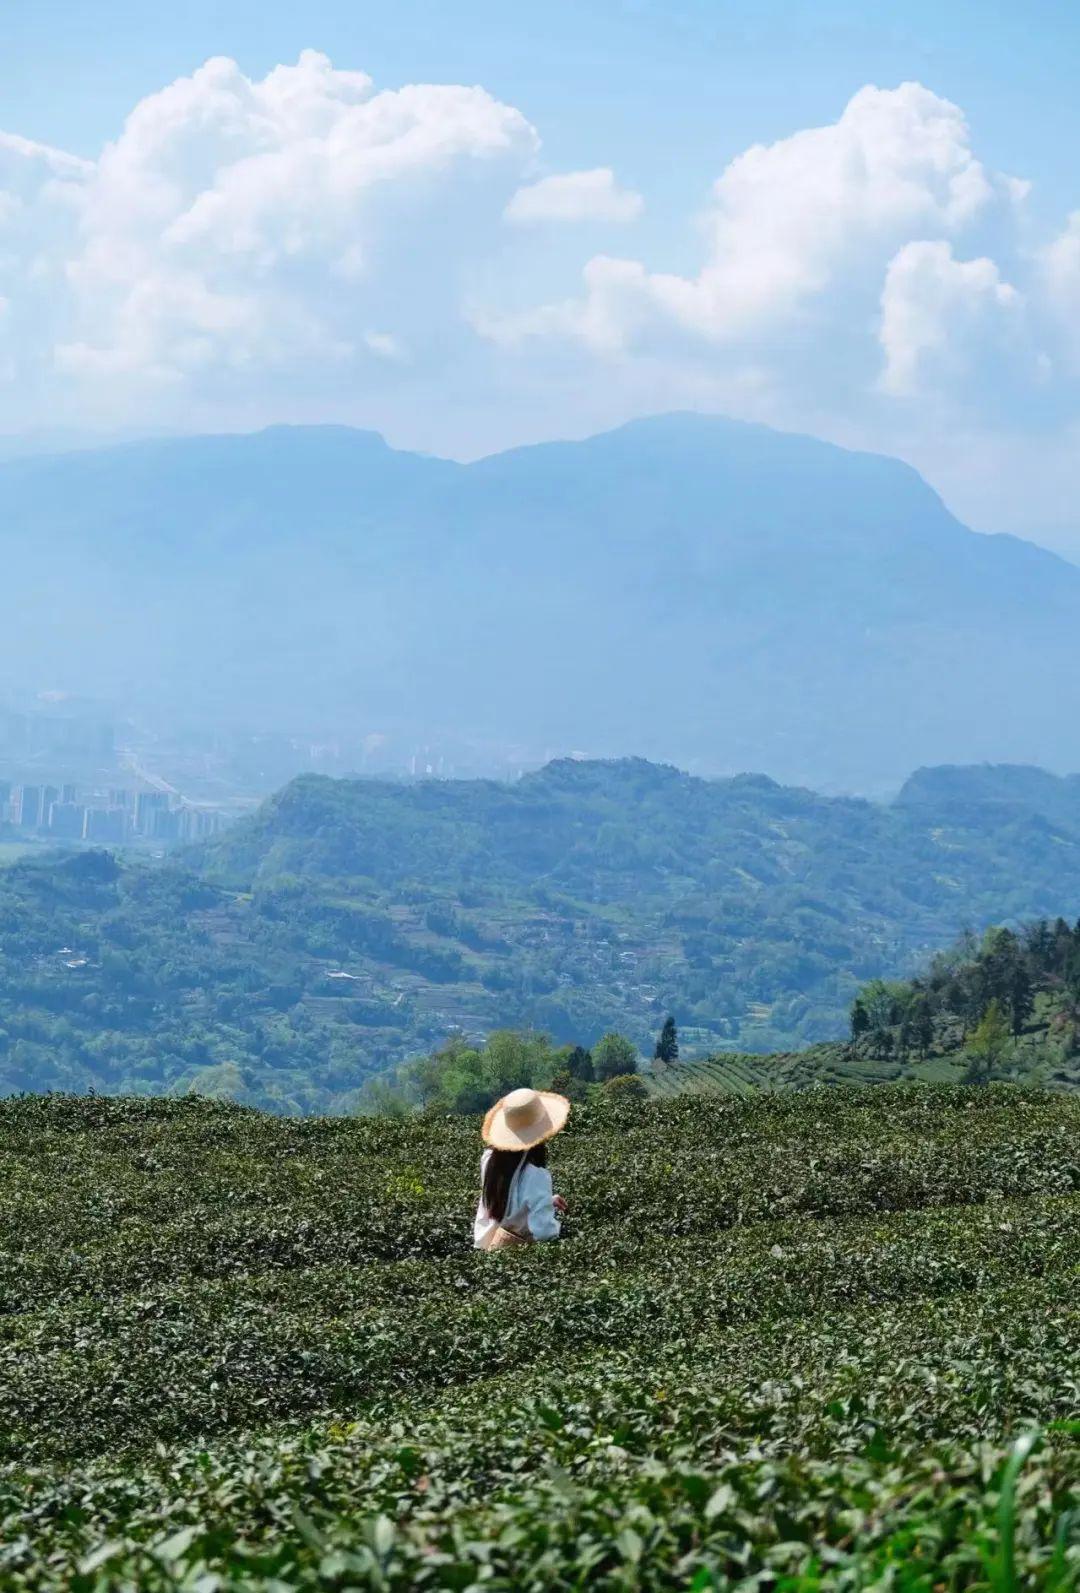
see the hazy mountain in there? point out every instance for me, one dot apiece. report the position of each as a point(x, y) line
point(991, 791)
point(685, 587)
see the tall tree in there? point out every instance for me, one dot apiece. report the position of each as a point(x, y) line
point(1020, 997)
point(988, 1044)
point(667, 1045)
point(860, 1018)
point(917, 1026)
point(579, 1064)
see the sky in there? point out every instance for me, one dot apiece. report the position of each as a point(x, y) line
point(477, 225)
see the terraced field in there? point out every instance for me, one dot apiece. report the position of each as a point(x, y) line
point(744, 1074)
point(797, 1341)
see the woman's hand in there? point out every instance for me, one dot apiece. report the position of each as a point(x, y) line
point(560, 1205)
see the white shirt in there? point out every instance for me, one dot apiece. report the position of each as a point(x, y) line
point(530, 1205)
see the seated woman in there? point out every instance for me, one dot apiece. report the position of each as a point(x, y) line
point(517, 1203)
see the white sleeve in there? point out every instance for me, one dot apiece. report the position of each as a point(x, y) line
point(539, 1194)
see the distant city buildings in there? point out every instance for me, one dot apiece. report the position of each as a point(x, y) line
point(108, 825)
point(148, 804)
point(62, 734)
point(66, 821)
point(27, 813)
point(111, 817)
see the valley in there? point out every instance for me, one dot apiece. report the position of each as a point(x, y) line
point(351, 925)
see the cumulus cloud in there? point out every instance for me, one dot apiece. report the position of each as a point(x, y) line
point(791, 219)
point(575, 196)
point(222, 231)
point(939, 315)
point(1058, 267)
point(308, 244)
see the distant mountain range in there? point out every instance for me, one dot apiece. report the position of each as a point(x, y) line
point(691, 588)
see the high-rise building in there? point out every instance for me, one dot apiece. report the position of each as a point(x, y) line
point(147, 805)
point(165, 824)
point(49, 795)
point(69, 793)
point(196, 824)
point(28, 798)
point(67, 820)
point(119, 797)
point(105, 824)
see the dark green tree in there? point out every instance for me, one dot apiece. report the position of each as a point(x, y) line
point(919, 1026)
point(667, 1045)
point(1020, 997)
point(860, 1018)
point(579, 1064)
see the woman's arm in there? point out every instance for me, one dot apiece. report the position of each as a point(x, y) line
point(539, 1198)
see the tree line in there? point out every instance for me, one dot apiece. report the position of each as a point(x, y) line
point(465, 1077)
point(977, 997)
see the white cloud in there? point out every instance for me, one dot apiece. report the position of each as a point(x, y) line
point(791, 219)
point(1058, 271)
point(1061, 260)
point(25, 165)
point(385, 344)
point(575, 196)
point(939, 314)
point(309, 246)
point(239, 225)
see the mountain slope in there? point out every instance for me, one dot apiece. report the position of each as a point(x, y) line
point(353, 924)
point(697, 589)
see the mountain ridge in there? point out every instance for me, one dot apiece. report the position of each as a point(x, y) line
point(710, 592)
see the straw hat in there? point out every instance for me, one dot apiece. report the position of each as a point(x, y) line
point(525, 1118)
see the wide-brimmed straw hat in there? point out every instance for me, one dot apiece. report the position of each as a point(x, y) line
point(525, 1118)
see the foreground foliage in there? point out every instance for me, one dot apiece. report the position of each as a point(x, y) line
point(790, 1342)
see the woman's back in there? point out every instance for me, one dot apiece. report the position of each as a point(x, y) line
point(523, 1203)
point(517, 1203)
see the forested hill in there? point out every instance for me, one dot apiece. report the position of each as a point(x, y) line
point(352, 924)
point(959, 845)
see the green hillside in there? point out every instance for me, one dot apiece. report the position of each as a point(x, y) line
point(1005, 1007)
point(787, 1342)
point(828, 1064)
point(353, 924)
point(747, 1074)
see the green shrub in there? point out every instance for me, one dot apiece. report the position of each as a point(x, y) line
point(613, 1055)
point(785, 1342)
point(627, 1087)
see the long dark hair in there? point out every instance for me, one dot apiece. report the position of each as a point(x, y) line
point(499, 1173)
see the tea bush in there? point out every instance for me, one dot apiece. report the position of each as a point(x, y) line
point(793, 1342)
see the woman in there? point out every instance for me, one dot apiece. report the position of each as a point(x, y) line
point(517, 1204)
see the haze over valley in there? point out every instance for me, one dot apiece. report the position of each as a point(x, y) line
point(687, 588)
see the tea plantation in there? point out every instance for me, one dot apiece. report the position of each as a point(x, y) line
point(813, 1340)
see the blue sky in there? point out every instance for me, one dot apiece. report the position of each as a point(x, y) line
point(178, 285)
